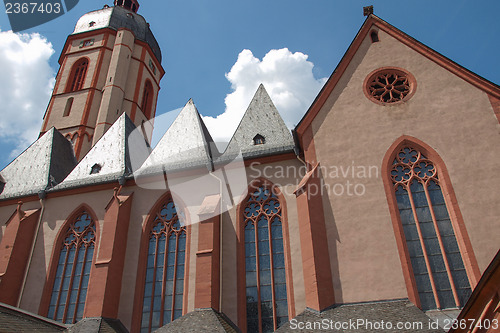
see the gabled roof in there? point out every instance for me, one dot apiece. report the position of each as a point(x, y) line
point(261, 120)
point(186, 144)
point(41, 166)
point(371, 21)
point(121, 149)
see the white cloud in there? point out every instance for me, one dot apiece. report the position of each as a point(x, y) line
point(26, 82)
point(288, 78)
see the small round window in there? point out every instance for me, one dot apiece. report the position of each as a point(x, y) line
point(389, 85)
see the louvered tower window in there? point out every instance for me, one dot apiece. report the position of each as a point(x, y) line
point(73, 270)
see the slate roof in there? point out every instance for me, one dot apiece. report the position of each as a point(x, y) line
point(400, 311)
point(261, 118)
point(41, 166)
point(117, 153)
point(116, 18)
point(16, 320)
point(122, 152)
point(98, 325)
point(186, 144)
point(200, 320)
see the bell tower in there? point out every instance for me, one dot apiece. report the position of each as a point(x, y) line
point(110, 64)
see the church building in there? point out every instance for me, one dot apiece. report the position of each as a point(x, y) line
point(378, 211)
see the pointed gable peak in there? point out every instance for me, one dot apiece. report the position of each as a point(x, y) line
point(261, 96)
point(373, 21)
point(261, 131)
point(186, 143)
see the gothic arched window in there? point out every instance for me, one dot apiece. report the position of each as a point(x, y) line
point(77, 76)
point(147, 99)
point(435, 260)
point(69, 290)
point(162, 300)
point(265, 275)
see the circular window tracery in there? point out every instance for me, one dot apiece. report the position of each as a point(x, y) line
point(389, 85)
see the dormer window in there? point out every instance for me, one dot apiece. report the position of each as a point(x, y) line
point(259, 140)
point(96, 168)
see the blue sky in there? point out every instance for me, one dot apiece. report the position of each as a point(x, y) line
point(201, 42)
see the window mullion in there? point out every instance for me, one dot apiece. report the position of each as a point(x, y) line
point(271, 263)
point(421, 239)
point(151, 309)
point(80, 284)
point(175, 276)
point(62, 281)
point(73, 268)
point(165, 257)
point(441, 246)
point(257, 269)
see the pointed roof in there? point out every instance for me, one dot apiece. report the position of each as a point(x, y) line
point(371, 21)
point(261, 131)
point(392, 311)
point(121, 149)
point(98, 325)
point(200, 320)
point(41, 166)
point(186, 144)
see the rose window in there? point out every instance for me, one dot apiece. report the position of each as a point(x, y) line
point(389, 85)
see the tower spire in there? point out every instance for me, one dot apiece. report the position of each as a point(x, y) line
point(132, 5)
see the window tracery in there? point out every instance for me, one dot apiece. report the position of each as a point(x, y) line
point(438, 268)
point(69, 290)
point(164, 283)
point(265, 274)
point(389, 85)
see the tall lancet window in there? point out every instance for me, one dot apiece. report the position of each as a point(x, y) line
point(265, 273)
point(438, 268)
point(77, 77)
point(69, 291)
point(164, 284)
